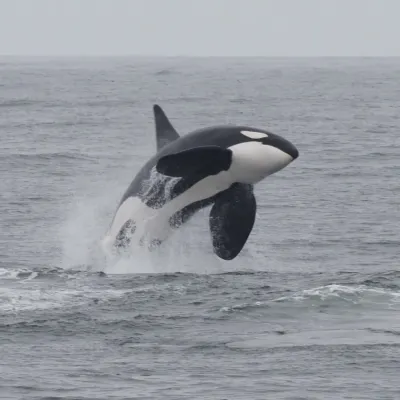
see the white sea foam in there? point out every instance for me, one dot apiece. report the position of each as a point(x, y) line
point(20, 299)
point(353, 294)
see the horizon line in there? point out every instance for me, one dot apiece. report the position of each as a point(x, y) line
point(76, 55)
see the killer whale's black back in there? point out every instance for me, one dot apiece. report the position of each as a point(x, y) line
point(221, 135)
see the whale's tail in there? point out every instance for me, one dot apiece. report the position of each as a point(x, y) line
point(165, 132)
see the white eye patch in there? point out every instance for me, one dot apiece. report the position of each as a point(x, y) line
point(254, 135)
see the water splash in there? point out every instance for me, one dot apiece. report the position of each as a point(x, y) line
point(187, 250)
point(87, 219)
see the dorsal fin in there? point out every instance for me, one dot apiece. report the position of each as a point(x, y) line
point(165, 132)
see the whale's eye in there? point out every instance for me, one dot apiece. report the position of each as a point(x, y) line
point(254, 134)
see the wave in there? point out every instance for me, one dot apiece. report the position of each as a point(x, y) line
point(20, 299)
point(323, 338)
point(356, 294)
point(39, 273)
point(47, 156)
point(238, 272)
point(17, 103)
point(385, 331)
point(166, 72)
point(386, 280)
point(324, 296)
point(54, 104)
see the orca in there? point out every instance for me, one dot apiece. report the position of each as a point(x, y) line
point(215, 166)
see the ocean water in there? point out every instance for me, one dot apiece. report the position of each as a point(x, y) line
point(311, 307)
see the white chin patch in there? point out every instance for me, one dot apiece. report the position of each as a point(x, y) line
point(254, 161)
point(254, 135)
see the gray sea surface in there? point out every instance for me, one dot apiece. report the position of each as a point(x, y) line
point(311, 307)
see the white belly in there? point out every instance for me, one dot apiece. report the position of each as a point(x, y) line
point(153, 224)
